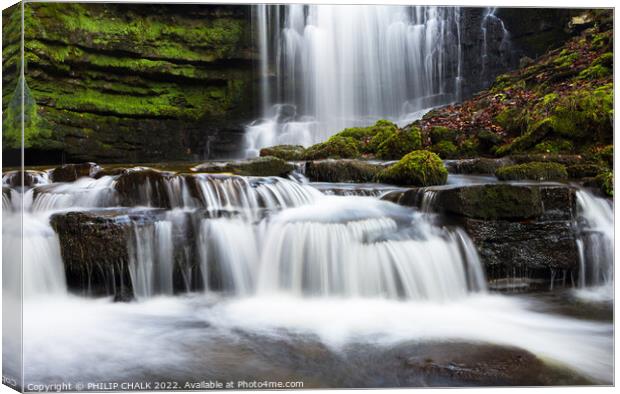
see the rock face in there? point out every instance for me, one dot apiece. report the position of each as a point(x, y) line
point(94, 248)
point(342, 170)
point(519, 230)
point(129, 82)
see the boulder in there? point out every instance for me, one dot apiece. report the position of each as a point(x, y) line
point(418, 168)
point(480, 165)
point(284, 152)
point(260, 166)
point(336, 147)
point(537, 171)
point(529, 249)
point(342, 170)
point(579, 171)
point(94, 248)
point(71, 172)
point(143, 187)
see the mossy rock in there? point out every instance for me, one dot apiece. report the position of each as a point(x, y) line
point(579, 171)
point(605, 181)
point(399, 143)
point(260, 166)
point(418, 168)
point(479, 165)
point(488, 140)
point(607, 155)
point(335, 148)
point(445, 149)
point(343, 170)
point(554, 146)
point(442, 133)
point(284, 152)
point(369, 138)
point(500, 201)
point(537, 171)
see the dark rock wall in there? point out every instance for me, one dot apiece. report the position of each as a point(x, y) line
point(127, 82)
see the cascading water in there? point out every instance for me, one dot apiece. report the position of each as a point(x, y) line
point(596, 246)
point(284, 256)
point(327, 67)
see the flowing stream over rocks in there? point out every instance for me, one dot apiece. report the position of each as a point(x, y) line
point(273, 271)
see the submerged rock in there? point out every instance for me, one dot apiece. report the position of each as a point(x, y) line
point(71, 172)
point(343, 170)
point(261, 166)
point(418, 168)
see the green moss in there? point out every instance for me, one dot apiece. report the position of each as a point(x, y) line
point(34, 133)
point(284, 152)
point(369, 138)
point(442, 133)
point(554, 146)
point(399, 143)
point(488, 141)
point(606, 182)
point(418, 168)
point(606, 155)
point(578, 171)
point(469, 148)
point(510, 119)
point(334, 148)
point(538, 171)
point(445, 149)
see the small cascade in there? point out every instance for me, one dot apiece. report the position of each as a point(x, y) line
point(358, 252)
point(82, 193)
point(596, 240)
point(228, 251)
point(151, 260)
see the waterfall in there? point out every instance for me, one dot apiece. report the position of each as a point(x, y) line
point(327, 67)
point(496, 39)
point(595, 242)
point(363, 247)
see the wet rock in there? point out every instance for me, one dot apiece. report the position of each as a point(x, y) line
point(480, 165)
point(284, 152)
point(524, 249)
point(261, 166)
point(71, 172)
point(30, 178)
point(579, 171)
point(497, 201)
point(143, 187)
point(342, 171)
point(547, 157)
point(537, 171)
point(94, 248)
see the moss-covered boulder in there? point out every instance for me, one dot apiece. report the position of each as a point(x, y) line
point(336, 147)
point(71, 172)
point(445, 149)
point(399, 143)
point(442, 133)
point(343, 170)
point(260, 166)
point(480, 165)
point(418, 168)
point(284, 152)
point(536, 171)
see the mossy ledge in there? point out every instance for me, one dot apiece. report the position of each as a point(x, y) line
point(124, 82)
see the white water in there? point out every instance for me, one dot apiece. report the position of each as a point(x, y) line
point(346, 269)
point(596, 246)
point(327, 67)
